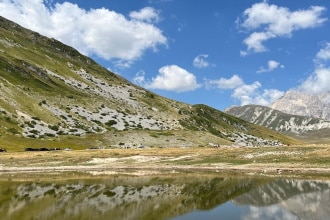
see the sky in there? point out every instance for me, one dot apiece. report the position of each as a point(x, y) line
point(218, 53)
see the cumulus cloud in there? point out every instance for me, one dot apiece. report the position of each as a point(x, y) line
point(323, 55)
point(271, 65)
point(267, 21)
point(319, 80)
point(105, 33)
point(252, 94)
point(246, 93)
point(223, 83)
point(147, 14)
point(200, 61)
point(255, 41)
point(170, 78)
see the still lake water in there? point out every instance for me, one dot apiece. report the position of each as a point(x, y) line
point(173, 197)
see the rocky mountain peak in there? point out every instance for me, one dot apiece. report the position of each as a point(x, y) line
point(299, 103)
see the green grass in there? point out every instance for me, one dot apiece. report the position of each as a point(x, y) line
point(26, 82)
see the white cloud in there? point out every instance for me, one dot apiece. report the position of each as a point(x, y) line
point(139, 78)
point(276, 212)
point(224, 83)
point(318, 82)
point(271, 21)
point(324, 54)
point(251, 94)
point(271, 95)
point(246, 93)
point(200, 61)
point(271, 65)
point(243, 53)
point(255, 41)
point(147, 14)
point(170, 78)
point(102, 32)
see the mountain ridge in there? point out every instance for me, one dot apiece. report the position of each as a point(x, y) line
point(301, 127)
point(295, 102)
point(277, 120)
point(50, 91)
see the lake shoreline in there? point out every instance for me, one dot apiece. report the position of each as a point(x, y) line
point(259, 161)
point(280, 171)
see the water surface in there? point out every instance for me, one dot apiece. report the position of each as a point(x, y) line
point(175, 197)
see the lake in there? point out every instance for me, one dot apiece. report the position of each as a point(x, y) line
point(173, 197)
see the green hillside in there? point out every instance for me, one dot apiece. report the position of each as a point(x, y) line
point(53, 96)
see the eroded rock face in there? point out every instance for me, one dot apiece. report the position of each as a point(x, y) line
point(295, 112)
point(298, 103)
point(278, 120)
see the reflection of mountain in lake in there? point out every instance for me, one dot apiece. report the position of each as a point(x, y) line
point(208, 195)
point(152, 197)
point(81, 201)
point(304, 199)
point(115, 199)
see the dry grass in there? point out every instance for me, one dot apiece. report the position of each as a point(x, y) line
point(312, 160)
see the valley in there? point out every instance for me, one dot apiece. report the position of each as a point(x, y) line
point(53, 97)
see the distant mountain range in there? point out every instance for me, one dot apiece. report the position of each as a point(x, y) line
point(52, 93)
point(301, 115)
point(277, 120)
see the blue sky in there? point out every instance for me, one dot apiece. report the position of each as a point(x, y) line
point(219, 53)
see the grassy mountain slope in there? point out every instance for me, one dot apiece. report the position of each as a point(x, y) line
point(51, 95)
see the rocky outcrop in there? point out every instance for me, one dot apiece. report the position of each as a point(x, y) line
point(278, 120)
point(299, 103)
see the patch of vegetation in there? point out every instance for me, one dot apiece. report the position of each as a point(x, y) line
point(111, 123)
point(53, 127)
point(50, 135)
point(13, 131)
point(61, 133)
point(43, 102)
point(149, 95)
point(34, 132)
point(30, 124)
point(97, 122)
point(154, 135)
point(63, 117)
point(109, 193)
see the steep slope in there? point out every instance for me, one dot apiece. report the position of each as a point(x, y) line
point(277, 120)
point(49, 90)
point(243, 133)
point(58, 90)
point(298, 103)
